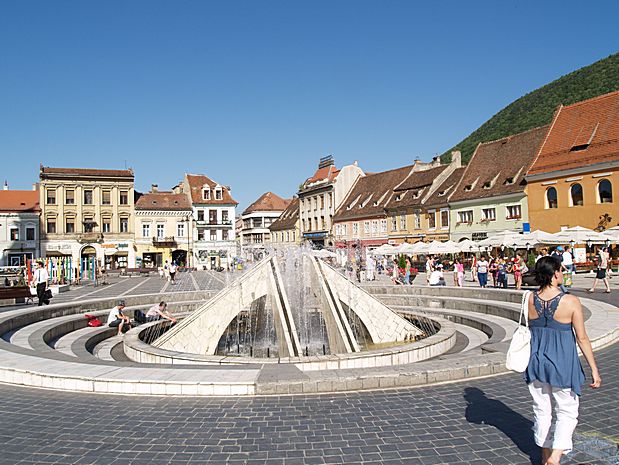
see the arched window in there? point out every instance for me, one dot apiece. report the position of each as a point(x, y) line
point(551, 198)
point(576, 195)
point(605, 191)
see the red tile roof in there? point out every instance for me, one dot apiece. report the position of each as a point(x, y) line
point(413, 189)
point(162, 201)
point(268, 202)
point(19, 201)
point(47, 171)
point(196, 183)
point(328, 173)
point(441, 195)
point(581, 134)
point(370, 194)
point(498, 167)
point(288, 219)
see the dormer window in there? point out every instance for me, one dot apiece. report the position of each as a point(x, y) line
point(509, 181)
point(353, 203)
point(442, 193)
point(206, 193)
point(487, 185)
point(468, 187)
point(218, 194)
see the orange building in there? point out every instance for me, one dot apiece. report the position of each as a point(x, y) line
point(576, 173)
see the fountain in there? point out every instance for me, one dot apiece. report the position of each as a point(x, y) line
point(289, 305)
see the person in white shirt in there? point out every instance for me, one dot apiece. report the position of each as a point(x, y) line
point(157, 312)
point(568, 259)
point(116, 318)
point(436, 276)
point(172, 272)
point(40, 280)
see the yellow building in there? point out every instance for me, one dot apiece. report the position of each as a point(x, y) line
point(163, 228)
point(573, 178)
point(286, 229)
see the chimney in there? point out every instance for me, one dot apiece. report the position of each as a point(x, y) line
point(436, 161)
point(6, 185)
point(154, 187)
point(35, 186)
point(456, 158)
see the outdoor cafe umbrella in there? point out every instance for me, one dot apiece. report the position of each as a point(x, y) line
point(437, 247)
point(612, 233)
point(580, 235)
point(536, 238)
point(503, 238)
point(420, 248)
point(385, 249)
point(323, 253)
point(468, 245)
point(405, 248)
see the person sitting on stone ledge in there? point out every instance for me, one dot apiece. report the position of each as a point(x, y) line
point(116, 318)
point(158, 312)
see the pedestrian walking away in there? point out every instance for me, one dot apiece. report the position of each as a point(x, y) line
point(554, 372)
point(41, 280)
point(173, 273)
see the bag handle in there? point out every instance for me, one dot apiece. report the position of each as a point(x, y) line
point(524, 305)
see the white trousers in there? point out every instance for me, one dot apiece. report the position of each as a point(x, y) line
point(566, 409)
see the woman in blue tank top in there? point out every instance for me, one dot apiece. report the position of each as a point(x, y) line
point(557, 325)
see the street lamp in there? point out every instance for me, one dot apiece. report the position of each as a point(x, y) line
point(572, 243)
point(187, 220)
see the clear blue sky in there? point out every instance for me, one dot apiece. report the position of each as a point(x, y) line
point(252, 93)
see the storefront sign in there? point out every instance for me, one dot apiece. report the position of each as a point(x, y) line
point(123, 246)
point(315, 235)
point(479, 236)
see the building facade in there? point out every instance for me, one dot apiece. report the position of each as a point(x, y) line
point(492, 194)
point(257, 219)
point(87, 215)
point(436, 222)
point(19, 226)
point(162, 231)
point(576, 173)
point(285, 231)
point(361, 222)
point(213, 244)
point(320, 196)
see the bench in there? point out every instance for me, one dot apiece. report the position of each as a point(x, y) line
point(17, 292)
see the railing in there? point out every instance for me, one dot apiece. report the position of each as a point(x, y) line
point(90, 237)
point(164, 241)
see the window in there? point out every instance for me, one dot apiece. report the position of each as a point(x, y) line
point(89, 225)
point(107, 225)
point(218, 194)
point(417, 220)
point(551, 198)
point(322, 201)
point(14, 234)
point(444, 219)
point(465, 216)
point(29, 234)
point(355, 229)
point(200, 215)
point(224, 235)
point(206, 194)
point(124, 198)
point(88, 197)
point(51, 226)
point(294, 234)
point(69, 197)
point(212, 216)
point(374, 227)
point(488, 214)
point(403, 221)
point(257, 222)
point(322, 223)
point(224, 216)
point(513, 212)
point(432, 219)
point(146, 230)
point(576, 195)
point(124, 225)
point(394, 223)
point(180, 229)
point(106, 198)
point(383, 225)
point(69, 225)
point(366, 228)
point(605, 191)
point(50, 196)
point(214, 235)
point(160, 230)
point(201, 234)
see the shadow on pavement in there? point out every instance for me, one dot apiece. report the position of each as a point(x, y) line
point(484, 411)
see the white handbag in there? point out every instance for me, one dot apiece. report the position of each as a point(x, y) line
point(519, 350)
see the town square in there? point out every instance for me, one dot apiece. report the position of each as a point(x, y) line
point(309, 233)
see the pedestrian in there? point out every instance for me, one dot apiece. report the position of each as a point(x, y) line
point(554, 372)
point(436, 277)
point(173, 272)
point(517, 267)
point(116, 318)
point(482, 271)
point(395, 273)
point(158, 312)
point(494, 270)
point(429, 267)
point(602, 266)
point(41, 281)
point(474, 268)
point(568, 266)
point(542, 253)
point(166, 270)
point(502, 273)
point(459, 270)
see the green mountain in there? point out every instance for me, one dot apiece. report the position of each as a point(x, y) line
point(537, 107)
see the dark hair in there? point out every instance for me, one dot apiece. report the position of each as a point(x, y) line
point(545, 269)
point(163, 304)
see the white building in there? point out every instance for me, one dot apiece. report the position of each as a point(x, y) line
point(257, 218)
point(213, 242)
point(19, 226)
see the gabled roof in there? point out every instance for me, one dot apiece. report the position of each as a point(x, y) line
point(443, 192)
point(498, 167)
point(581, 134)
point(46, 171)
point(19, 201)
point(414, 187)
point(198, 181)
point(288, 219)
point(162, 201)
point(370, 194)
point(268, 202)
point(327, 173)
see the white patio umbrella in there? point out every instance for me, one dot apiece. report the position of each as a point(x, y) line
point(385, 249)
point(437, 247)
point(579, 235)
point(323, 253)
point(405, 248)
point(536, 238)
point(420, 248)
point(613, 233)
point(468, 245)
point(503, 238)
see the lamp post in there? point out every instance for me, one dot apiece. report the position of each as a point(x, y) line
point(187, 220)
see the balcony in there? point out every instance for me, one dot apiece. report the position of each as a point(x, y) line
point(164, 241)
point(90, 237)
point(214, 224)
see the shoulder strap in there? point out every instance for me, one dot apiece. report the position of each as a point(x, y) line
point(524, 309)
